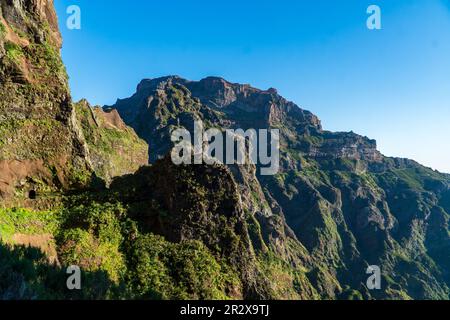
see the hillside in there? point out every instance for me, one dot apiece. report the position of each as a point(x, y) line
point(96, 188)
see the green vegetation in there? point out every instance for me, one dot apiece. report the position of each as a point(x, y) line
point(200, 232)
point(164, 270)
point(26, 274)
point(46, 57)
point(13, 51)
point(284, 281)
point(19, 32)
point(91, 238)
point(312, 170)
point(20, 135)
point(25, 221)
point(110, 249)
point(2, 30)
point(176, 102)
point(313, 140)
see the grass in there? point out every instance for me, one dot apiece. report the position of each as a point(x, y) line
point(409, 177)
point(25, 221)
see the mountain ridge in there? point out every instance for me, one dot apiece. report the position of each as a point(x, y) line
point(152, 84)
point(316, 164)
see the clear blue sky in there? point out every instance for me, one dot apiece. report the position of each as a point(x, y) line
point(392, 85)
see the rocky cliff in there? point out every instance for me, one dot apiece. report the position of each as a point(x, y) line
point(38, 144)
point(45, 145)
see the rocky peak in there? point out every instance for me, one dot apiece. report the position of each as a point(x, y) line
point(308, 232)
point(109, 119)
point(264, 108)
point(216, 92)
point(345, 145)
point(147, 86)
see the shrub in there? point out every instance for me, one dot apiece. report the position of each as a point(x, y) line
point(13, 51)
point(163, 270)
point(20, 220)
point(91, 237)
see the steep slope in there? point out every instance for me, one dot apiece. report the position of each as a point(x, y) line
point(113, 148)
point(39, 147)
point(347, 204)
point(48, 145)
point(202, 203)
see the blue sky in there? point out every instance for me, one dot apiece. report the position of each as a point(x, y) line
point(392, 85)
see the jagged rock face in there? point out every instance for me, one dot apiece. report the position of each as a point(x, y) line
point(112, 148)
point(196, 202)
point(270, 108)
point(38, 144)
point(17, 12)
point(265, 108)
point(343, 204)
point(237, 106)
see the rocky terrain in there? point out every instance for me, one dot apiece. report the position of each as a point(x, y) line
point(95, 187)
point(336, 197)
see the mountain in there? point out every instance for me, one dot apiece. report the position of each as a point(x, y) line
point(340, 199)
point(96, 188)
